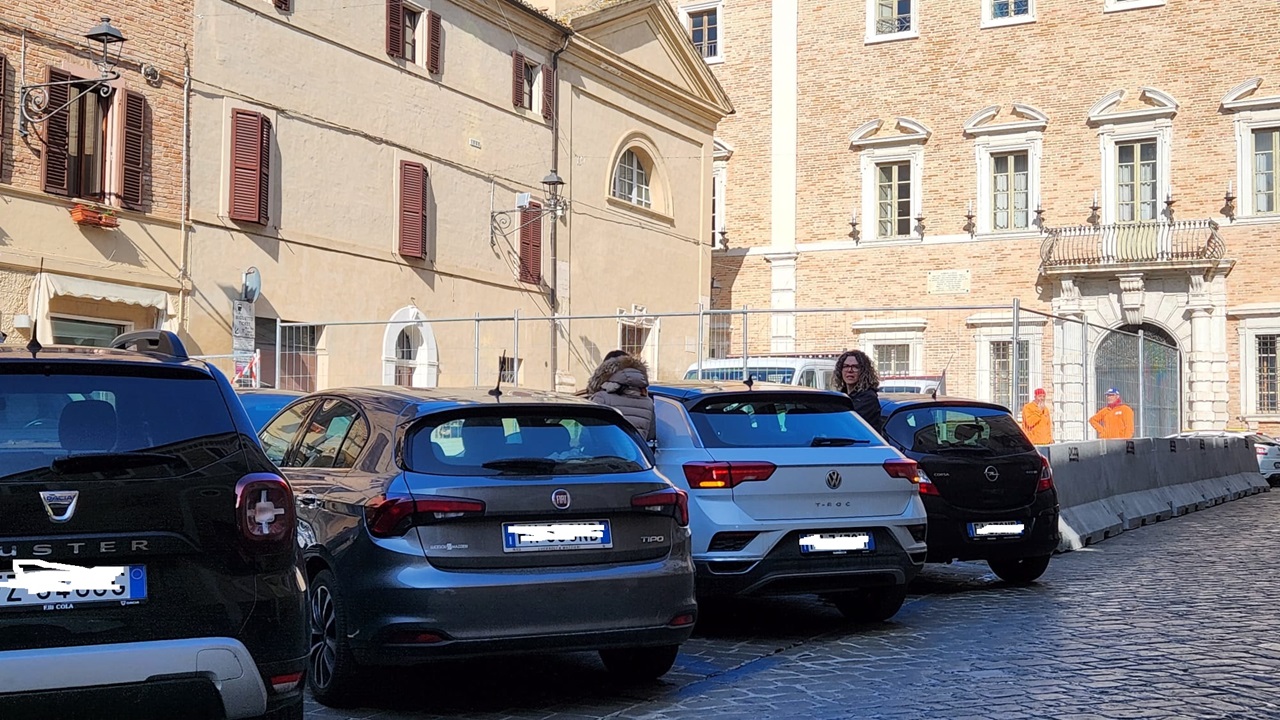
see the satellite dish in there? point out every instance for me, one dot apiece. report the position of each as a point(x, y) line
point(252, 285)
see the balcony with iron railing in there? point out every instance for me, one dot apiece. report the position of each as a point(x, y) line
point(1132, 246)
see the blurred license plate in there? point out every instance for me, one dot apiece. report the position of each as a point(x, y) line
point(528, 537)
point(837, 542)
point(128, 586)
point(1008, 528)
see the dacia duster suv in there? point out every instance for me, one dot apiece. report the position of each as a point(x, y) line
point(148, 558)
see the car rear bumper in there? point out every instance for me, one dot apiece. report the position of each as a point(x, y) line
point(143, 677)
point(949, 532)
point(785, 570)
point(381, 652)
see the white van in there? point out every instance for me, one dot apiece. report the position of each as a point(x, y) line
point(810, 372)
point(913, 384)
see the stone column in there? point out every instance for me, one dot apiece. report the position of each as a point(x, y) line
point(1200, 380)
point(1070, 355)
point(782, 325)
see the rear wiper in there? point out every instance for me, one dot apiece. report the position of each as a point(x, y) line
point(105, 462)
point(611, 462)
point(837, 442)
point(530, 463)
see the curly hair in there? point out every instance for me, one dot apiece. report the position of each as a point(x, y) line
point(868, 379)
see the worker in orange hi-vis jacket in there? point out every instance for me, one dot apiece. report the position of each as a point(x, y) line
point(1115, 420)
point(1036, 422)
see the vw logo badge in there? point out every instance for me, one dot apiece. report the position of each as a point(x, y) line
point(992, 473)
point(560, 499)
point(833, 480)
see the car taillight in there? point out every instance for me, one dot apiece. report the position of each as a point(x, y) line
point(673, 500)
point(1260, 449)
point(712, 475)
point(264, 509)
point(905, 469)
point(925, 485)
point(285, 683)
point(393, 516)
point(1046, 475)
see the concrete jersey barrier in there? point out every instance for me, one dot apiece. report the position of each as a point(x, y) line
point(1108, 486)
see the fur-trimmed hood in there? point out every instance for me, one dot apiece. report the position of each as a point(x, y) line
point(623, 370)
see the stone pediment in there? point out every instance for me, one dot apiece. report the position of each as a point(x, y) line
point(901, 131)
point(1119, 106)
point(992, 119)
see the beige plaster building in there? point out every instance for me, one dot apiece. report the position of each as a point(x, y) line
point(382, 168)
point(1108, 161)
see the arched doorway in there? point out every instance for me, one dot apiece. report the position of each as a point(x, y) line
point(1147, 374)
point(409, 354)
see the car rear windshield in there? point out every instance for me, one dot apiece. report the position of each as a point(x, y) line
point(48, 413)
point(520, 442)
point(951, 429)
point(780, 420)
point(781, 375)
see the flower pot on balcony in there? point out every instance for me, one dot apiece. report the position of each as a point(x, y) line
point(85, 215)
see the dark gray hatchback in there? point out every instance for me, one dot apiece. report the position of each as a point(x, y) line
point(454, 523)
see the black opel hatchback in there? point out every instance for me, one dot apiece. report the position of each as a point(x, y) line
point(988, 492)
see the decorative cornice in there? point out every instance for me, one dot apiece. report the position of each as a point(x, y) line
point(1037, 120)
point(1240, 97)
point(915, 132)
point(721, 149)
point(1165, 106)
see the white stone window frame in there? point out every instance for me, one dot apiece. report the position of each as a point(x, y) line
point(893, 331)
point(998, 327)
point(636, 317)
point(907, 146)
point(1254, 320)
point(990, 21)
point(872, 37)
point(1116, 127)
point(1122, 5)
point(720, 180)
point(1017, 136)
point(718, 7)
point(1250, 113)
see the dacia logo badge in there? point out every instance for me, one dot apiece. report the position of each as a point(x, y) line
point(60, 504)
point(833, 480)
point(560, 499)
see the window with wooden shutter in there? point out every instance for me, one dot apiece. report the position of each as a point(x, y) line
point(283, 5)
point(413, 210)
point(57, 136)
point(134, 156)
point(517, 78)
point(434, 38)
point(548, 92)
point(395, 28)
point(531, 243)
point(250, 167)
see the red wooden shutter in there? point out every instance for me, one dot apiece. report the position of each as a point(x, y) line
point(57, 136)
point(517, 78)
point(264, 173)
point(283, 5)
point(531, 244)
point(134, 156)
point(395, 28)
point(433, 42)
point(548, 92)
point(246, 170)
point(413, 209)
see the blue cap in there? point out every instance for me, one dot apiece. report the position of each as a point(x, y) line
point(1112, 391)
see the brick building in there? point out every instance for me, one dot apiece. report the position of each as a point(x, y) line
point(1102, 161)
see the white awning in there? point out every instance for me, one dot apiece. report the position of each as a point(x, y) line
point(46, 286)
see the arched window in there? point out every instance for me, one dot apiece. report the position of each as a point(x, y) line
point(631, 180)
point(406, 357)
point(410, 357)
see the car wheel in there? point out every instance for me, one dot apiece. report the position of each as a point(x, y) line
point(331, 669)
point(1021, 571)
point(638, 664)
point(872, 604)
point(292, 711)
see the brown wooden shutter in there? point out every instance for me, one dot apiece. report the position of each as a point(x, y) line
point(531, 244)
point(134, 155)
point(548, 92)
point(264, 173)
point(57, 169)
point(517, 78)
point(395, 28)
point(433, 42)
point(284, 5)
point(246, 170)
point(413, 209)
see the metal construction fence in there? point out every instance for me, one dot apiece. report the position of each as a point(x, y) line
point(997, 353)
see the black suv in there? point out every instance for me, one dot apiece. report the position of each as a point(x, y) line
point(148, 557)
point(988, 492)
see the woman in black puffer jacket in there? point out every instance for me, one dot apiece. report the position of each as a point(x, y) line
point(622, 382)
point(856, 377)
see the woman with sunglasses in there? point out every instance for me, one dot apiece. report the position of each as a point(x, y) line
point(856, 377)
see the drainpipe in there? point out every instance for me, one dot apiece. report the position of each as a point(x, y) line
point(555, 219)
point(183, 272)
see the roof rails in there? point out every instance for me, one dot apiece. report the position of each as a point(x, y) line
point(162, 342)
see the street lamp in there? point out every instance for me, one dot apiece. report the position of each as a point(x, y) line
point(34, 99)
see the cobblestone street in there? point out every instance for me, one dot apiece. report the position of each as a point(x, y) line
point(1175, 620)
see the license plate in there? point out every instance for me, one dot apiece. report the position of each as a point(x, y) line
point(1008, 528)
point(837, 542)
point(53, 586)
point(530, 537)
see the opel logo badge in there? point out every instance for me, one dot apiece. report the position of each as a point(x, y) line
point(833, 480)
point(992, 473)
point(560, 499)
point(60, 505)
